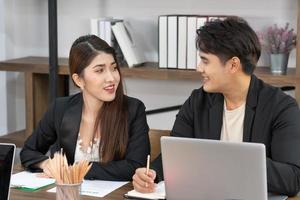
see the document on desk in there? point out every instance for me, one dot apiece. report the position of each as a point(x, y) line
point(276, 197)
point(97, 188)
point(160, 193)
point(29, 181)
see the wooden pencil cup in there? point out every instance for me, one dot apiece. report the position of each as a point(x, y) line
point(68, 191)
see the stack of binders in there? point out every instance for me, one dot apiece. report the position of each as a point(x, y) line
point(177, 40)
point(119, 36)
point(102, 27)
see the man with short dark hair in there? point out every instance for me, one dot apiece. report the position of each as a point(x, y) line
point(234, 105)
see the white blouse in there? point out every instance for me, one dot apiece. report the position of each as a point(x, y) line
point(90, 154)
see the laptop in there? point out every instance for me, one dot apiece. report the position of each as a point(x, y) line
point(211, 169)
point(7, 155)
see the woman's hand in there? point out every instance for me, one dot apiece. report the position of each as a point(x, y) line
point(44, 166)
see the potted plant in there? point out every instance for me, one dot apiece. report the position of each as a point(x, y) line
point(280, 42)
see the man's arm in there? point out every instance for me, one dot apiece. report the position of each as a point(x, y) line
point(283, 168)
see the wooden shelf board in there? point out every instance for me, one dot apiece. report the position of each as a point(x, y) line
point(146, 71)
point(18, 138)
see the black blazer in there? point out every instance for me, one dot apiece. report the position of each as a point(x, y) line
point(61, 124)
point(271, 118)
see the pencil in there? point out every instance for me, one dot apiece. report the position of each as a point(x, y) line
point(148, 165)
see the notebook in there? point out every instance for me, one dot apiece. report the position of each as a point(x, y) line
point(158, 194)
point(7, 155)
point(29, 181)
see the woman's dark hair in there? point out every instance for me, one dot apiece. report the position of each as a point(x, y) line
point(228, 38)
point(111, 120)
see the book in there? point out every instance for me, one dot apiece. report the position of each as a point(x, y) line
point(159, 193)
point(172, 42)
point(101, 27)
point(162, 42)
point(130, 49)
point(200, 22)
point(191, 43)
point(182, 42)
point(94, 26)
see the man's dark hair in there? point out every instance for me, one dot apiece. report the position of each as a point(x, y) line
point(228, 38)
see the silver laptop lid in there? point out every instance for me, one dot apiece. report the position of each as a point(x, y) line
point(210, 169)
point(7, 155)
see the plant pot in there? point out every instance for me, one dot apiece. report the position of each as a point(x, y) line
point(279, 63)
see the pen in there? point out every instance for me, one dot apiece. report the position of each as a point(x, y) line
point(17, 186)
point(126, 196)
point(148, 165)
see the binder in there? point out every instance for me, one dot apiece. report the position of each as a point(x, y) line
point(131, 52)
point(172, 42)
point(94, 26)
point(191, 43)
point(162, 42)
point(182, 42)
point(200, 22)
point(101, 27)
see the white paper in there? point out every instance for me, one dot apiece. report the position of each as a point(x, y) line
point(276, 197)
point(97, 188)
point(159, 193)
point(29, 180)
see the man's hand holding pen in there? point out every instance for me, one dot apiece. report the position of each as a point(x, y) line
point(143, 179)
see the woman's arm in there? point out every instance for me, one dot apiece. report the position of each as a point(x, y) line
point(39, 142)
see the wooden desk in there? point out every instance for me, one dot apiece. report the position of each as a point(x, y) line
point(16, 194)
point(43, 194)
point(36, 81)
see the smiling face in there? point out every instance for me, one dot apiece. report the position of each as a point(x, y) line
point(100, 79)
point(216, 75)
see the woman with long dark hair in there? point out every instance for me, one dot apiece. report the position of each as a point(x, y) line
point(99, 124)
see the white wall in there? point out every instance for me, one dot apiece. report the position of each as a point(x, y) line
point(142, 15)
point(26, 32)
point(3, 116)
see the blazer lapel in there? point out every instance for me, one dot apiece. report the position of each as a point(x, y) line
point(248, 120)
point(216, 117)
point(251, 103)
point(70, 128)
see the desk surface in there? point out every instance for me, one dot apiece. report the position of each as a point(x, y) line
point(16, 194)
point(43, 194)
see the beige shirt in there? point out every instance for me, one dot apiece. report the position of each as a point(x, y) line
point(233, 124)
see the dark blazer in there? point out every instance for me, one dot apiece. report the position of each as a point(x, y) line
point(61, 124)
point(271, 118)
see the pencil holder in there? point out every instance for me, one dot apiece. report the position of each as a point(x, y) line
point(68, 191)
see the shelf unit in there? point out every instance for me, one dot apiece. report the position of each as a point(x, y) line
point(39, 65)
point(37, 81)
point(36, 71)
